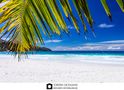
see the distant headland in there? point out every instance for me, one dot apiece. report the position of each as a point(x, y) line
point(3, 47)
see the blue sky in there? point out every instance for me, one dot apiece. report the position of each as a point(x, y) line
point(109, 35)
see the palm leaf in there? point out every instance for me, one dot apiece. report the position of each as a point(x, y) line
point(121, 4)
point(105, 5)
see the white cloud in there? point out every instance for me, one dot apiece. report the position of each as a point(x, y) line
point(53, 41)
point(104, 25)
point(2, 4)
point(115, 42)
point(114, 48)
point(70, 27)
point(5, 39)
point(106, 45)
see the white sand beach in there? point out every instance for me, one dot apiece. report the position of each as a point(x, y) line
point(62, 69)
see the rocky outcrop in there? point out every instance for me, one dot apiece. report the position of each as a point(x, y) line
point(3, 47)
point(41, 49)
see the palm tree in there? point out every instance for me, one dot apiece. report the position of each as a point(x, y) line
point(25, 20)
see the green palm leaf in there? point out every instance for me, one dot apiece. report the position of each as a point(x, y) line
point(121, 4)
point(105, 5)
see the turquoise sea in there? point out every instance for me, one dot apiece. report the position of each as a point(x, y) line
point(87, 53)
point(107, 57)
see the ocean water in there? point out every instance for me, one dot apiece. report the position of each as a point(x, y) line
point(87, 53)
point(106, 57)
point(84, 53)
point(102, 57)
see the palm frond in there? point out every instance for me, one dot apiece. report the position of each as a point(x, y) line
point(121, 4)
point(105, 5)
